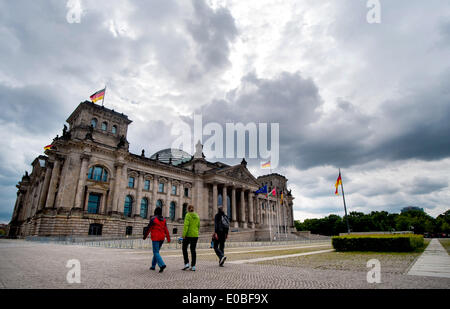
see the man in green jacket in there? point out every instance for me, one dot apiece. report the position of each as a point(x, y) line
point(190, 236)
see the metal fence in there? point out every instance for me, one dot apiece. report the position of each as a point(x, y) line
point(147, 244)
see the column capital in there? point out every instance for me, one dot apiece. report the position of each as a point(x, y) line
point(85, 156)
point(119, 164)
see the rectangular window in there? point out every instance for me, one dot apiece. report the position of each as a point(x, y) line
point(147, 185)
point(129, 231)
point(95, 229)
point(186, 192)
point(161, 188)
point(93, 203)
point(174, 190)
point(131, 182)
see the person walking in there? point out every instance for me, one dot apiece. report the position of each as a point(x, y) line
point(157, 227)
point(190, 237)
point(221, 227)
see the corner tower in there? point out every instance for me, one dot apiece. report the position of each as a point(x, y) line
point(91, 121)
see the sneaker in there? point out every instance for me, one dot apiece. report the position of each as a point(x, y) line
point(222, 261)
point(185, 267)
point(193, 268)
point(152, 268)
point(162, 268)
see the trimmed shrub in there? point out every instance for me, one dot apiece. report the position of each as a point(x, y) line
point(378, 243)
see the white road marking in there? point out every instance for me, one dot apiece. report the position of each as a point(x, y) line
point(278, 257)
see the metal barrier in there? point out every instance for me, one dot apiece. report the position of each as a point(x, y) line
point(147, 244)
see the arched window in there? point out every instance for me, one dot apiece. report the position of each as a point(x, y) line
point(98, 173)
point(104, 126)
point(128, 207)
point(147, 185)
point(114, 130)
point(159, 203)
point(172, 210)
point(94, 122)
point(144, 208)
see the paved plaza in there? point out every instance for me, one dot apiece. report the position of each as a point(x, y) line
point(434, 262)
point(38, 265)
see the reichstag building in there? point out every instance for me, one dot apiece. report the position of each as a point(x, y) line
point(88, 183)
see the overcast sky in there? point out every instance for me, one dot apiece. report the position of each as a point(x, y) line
point(371, 99)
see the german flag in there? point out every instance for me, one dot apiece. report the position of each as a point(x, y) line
point(48, 147)
point(99, 95)
point(266, 165)
point(338, 182)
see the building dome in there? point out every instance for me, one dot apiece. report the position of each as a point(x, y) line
point(178, 156)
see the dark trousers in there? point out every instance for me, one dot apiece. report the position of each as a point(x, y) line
point(192, 242)
point(219, 246)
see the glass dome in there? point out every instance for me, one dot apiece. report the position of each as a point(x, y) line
point(178, 156)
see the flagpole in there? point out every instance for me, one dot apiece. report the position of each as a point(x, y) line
point(284, 216)
point(345, 206)
point(270, 216)
point(104, 95)
point(278, 212)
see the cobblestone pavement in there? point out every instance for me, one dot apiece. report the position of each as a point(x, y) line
point(35, 265)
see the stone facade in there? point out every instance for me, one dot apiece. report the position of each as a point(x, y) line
point(88, 183)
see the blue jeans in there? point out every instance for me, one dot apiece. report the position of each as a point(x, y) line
point(156, 245)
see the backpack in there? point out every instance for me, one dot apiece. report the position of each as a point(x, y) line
point(225, 222)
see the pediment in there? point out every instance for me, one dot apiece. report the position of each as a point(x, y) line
point(238, 172)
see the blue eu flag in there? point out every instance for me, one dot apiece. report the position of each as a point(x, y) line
point(262, 190)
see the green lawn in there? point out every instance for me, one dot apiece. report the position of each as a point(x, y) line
point(446, 244)
point(391, 262)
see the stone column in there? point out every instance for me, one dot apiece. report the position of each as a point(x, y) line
point(137, 208)
point(214, 206)
point(250, 209)
point(48, 177)
point(224, 199)
point(233, 207)
point(154, 196)
point(117, 182)
point(179, 211)
point(243, 207)
point(53, 183)
point(168, 195)
point(102, 204)
point(81, 181)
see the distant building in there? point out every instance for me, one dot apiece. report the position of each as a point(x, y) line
point(88, 183)
point(409, 208)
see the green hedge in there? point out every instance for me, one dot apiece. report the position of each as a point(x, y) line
point(379, 243)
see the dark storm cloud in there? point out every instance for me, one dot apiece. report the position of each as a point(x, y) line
point(416, 126)
point(35, 108)
point(213, 31)
point(426, 185)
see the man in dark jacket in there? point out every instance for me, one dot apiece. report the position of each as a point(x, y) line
point(221, 227)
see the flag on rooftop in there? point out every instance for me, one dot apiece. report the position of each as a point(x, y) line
point(266, 165)
point(99, 95)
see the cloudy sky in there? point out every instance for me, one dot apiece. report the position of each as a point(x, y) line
point(371, 99)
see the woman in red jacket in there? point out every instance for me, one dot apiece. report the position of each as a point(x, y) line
point(159, 231)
